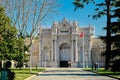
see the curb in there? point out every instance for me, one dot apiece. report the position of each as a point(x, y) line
point(104, 75)
point(113, 77)
point(32, 76)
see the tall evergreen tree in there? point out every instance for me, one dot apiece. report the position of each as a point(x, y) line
point(11, 46)
point(7, 36)
point(107, 10)
point(108, 35)
point(115, 39)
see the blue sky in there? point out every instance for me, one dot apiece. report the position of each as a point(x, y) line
point(66, 9)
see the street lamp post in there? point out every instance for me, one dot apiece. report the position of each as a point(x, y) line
point(42, 56)
point(45, 60)
point(92, 59)
point(87, 55)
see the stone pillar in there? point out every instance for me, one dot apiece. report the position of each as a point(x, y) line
point(55, 53)
point(83, 52)
point(52, 50)
point(76, 50)
point(12, 66)
point(72, 53)
point(40, 48)
point(40, 51)
point(55, 50)
point(89, 52)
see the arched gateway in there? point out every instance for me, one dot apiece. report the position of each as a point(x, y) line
point(64, 45)
point(65, 55)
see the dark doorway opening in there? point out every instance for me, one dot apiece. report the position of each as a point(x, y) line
point(64, 64)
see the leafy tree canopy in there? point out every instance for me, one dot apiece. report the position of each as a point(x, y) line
point(7, 36)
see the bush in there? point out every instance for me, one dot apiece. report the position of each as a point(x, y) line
point(8, 64)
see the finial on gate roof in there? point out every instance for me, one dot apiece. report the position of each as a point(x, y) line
point(64, 19)
point(75, 23)
point(55, 22)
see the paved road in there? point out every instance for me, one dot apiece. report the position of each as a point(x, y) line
point(68, 74)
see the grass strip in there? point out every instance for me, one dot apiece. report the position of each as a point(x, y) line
point(102, 71)
point(21, 74)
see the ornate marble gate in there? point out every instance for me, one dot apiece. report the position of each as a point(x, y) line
point(64, 44)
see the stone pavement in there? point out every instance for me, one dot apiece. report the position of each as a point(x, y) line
point(68, 74)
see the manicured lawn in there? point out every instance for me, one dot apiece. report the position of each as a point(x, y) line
point(21, 74)
point(101, 71)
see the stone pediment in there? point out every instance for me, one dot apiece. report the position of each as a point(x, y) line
point(65, 26)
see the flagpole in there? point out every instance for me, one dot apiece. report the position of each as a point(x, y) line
point(82, 36)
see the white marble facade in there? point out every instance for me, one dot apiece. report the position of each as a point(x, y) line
point(62, 46)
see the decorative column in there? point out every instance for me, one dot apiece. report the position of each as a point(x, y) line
point(76, 50)
point(90, 46)
point(52, 51)
point(83, 54)
point(55, 53)
point(72, 53)
point(40, 52)
point(40, 62)
point(55, 50)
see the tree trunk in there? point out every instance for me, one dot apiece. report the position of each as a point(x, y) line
point(108, 37)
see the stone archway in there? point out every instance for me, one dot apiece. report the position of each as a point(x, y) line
point(65, 55)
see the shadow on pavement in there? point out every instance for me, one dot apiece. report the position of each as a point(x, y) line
point(63, 71)
point(67, 75)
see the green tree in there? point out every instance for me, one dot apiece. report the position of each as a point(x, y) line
point(11, 46)
point(115, 38)
point(108, 36)
point(104, 8)
point(28, 15)
point(21, 57)
point(7, 36)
